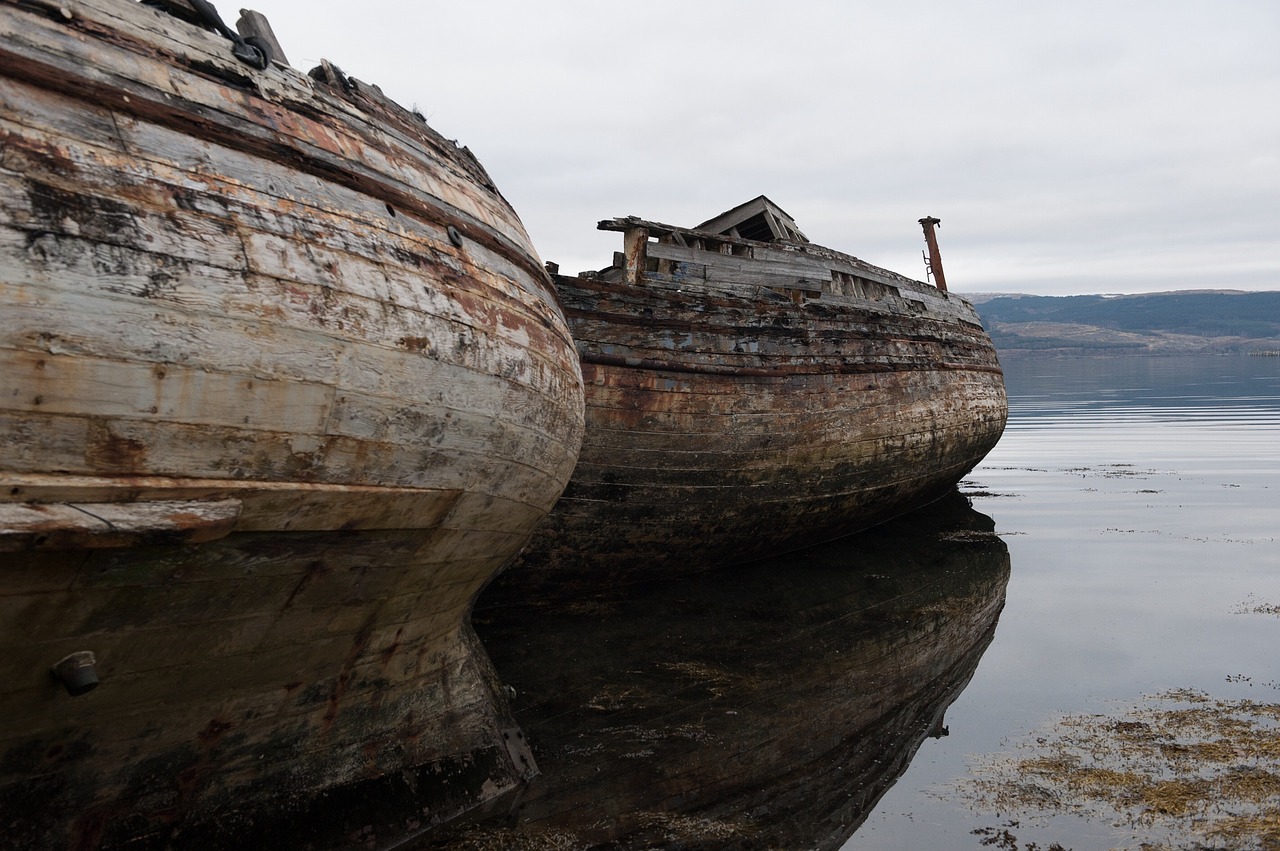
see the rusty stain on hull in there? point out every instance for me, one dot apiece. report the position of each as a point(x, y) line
point(748, 396)
point(283, 384)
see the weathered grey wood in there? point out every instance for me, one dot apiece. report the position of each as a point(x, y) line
point(745, 270)
point(310, 258)
point(767, 266)
point(223, 288)
point(405, 334)
point(255, 24)
point(726, 421)
point(780, 222)
point(181, 8)
point(764, 278)
point(69, 526)
point(389, 166)
point(394, 369)
point(808, 255)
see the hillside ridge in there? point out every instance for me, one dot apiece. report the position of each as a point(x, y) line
point(1177, 322)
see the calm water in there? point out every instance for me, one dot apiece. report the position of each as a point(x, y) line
point(1140, 502)
point(1121, 543)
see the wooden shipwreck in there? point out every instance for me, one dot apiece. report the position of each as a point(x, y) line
point(767, 705)
point(282, 385)
point(749, 393)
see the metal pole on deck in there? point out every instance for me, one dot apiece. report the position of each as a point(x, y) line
point(934, 260)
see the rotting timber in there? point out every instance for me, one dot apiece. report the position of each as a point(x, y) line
point(749, 393)
point(282, 385)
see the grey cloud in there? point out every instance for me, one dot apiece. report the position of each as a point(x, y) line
point(1079, 147)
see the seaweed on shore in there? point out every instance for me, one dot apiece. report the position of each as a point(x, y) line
point(1179, 770)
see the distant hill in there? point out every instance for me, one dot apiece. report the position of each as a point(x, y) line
point(1192, 321)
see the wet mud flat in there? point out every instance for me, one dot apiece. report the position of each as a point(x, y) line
point(765, 706)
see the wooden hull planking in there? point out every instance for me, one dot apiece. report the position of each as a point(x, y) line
point(242, 679)
point(736, 411)
point(282, 385)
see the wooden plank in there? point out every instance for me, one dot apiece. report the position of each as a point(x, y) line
point(690, 304)
point(98, 387)
point(199, 180)
point(135, 332)
point(254, 24)
point(343, 144)
point(130, 316)
point(817, 260)
point(81, 446)
point(291, 506)
point(765, 278)
point(328, 246)
point(779, 265)
point(458, 404)
point(98, 207)
point(378, 280)
point(113, 525)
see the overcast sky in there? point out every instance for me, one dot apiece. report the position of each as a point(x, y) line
point(1067, 147)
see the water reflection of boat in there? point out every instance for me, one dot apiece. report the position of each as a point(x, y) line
point(749, 392)
point(770, 711)
point(284, 384)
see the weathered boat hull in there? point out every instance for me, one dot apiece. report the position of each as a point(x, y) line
point(240, 679)
point(735, 410)
point(766, 705)
point(282, 385)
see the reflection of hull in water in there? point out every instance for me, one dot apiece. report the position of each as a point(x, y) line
point(770, 711)
point(282, 385)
